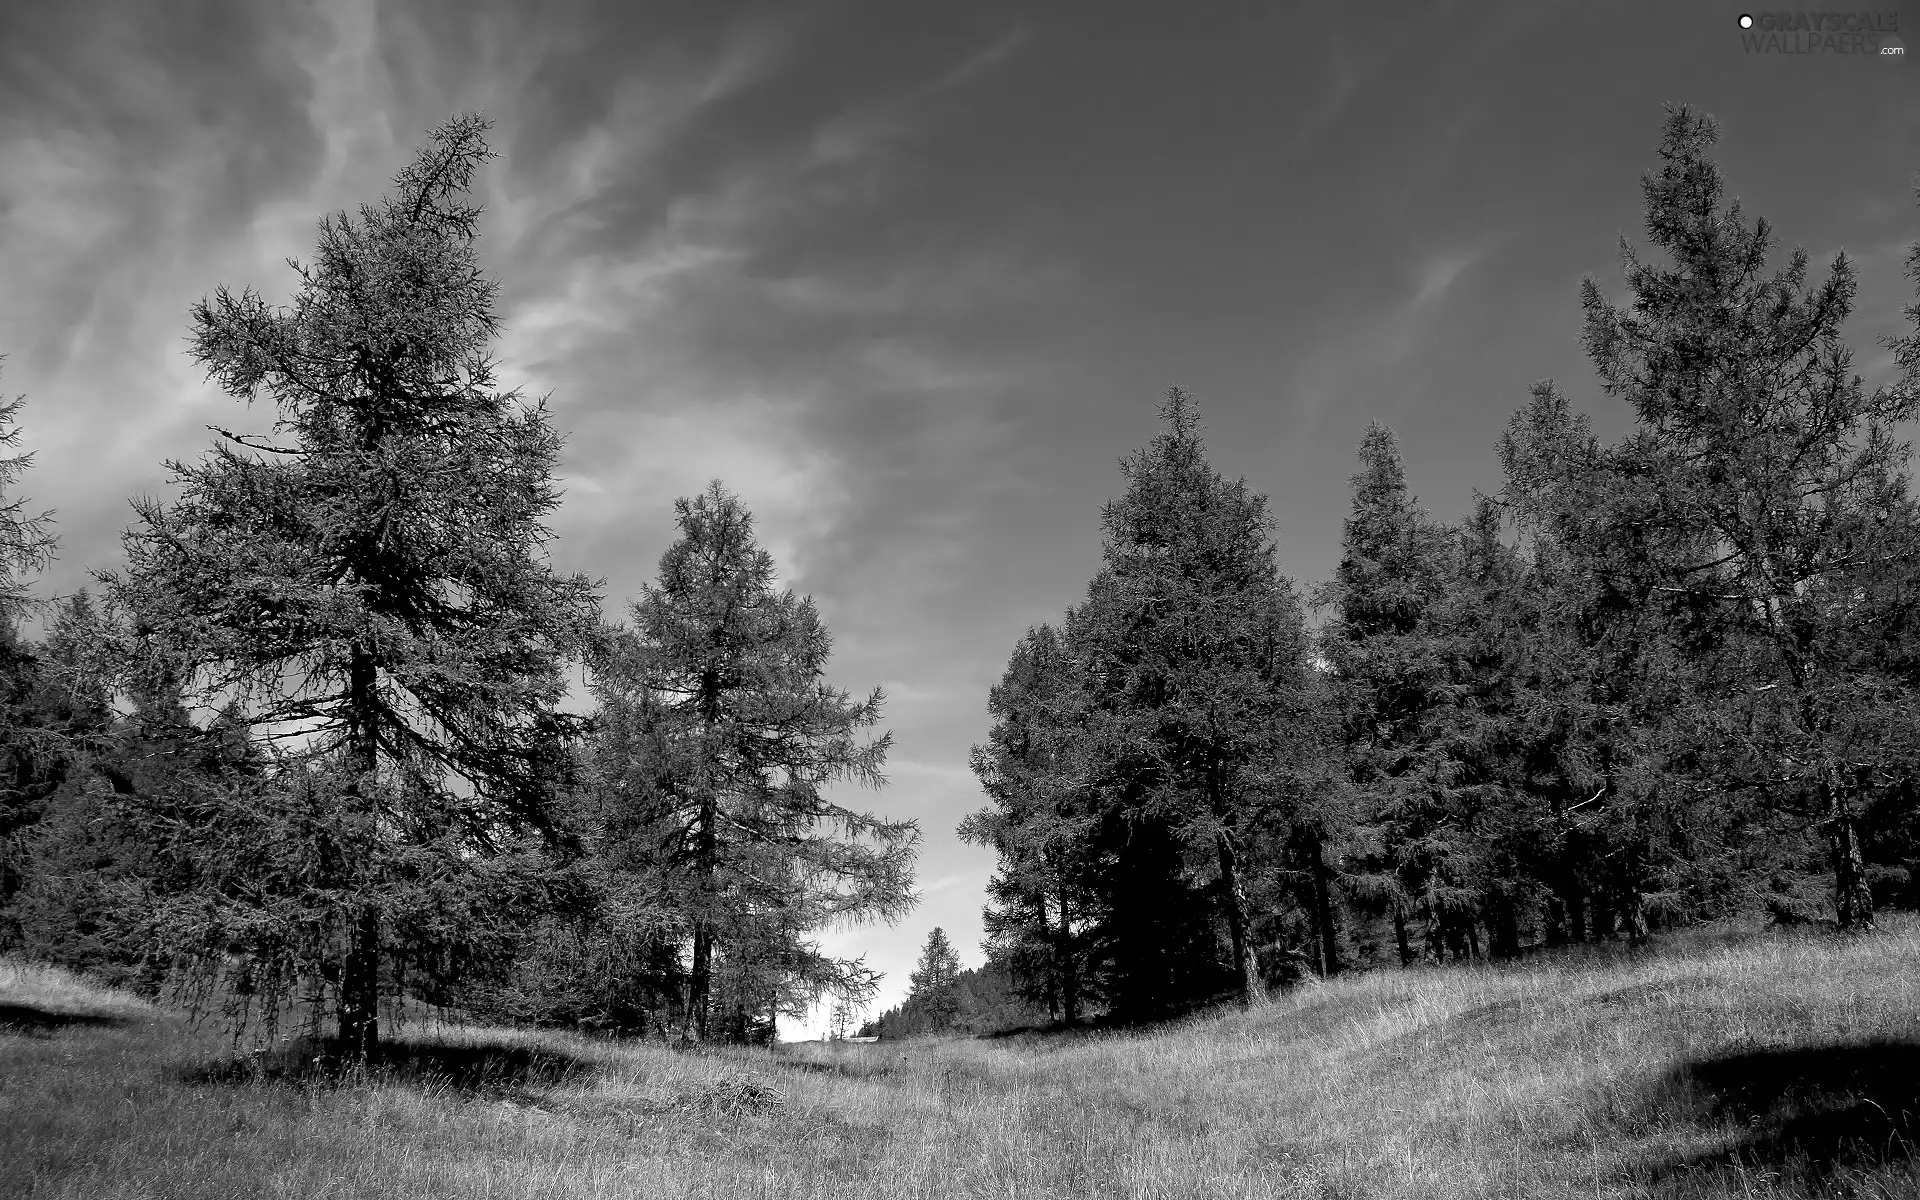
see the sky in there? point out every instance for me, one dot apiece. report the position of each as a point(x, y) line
point(910, 279)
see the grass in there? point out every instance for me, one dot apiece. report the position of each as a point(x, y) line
point(1733, 1063)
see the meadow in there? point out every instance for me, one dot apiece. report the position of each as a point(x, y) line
point(1733, 1061)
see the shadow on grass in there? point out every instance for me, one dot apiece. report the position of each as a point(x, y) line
point(32, 1021)
point(480, 1069)
point(1051, 1031)
point(1819, 1106)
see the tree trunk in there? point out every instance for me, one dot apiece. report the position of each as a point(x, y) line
point(1323, 909)
point(1067, 966)
point(1852, 898)
point(1400, 933)
point(700, 979)
point(1633, 916)
point(1503, 929)
point(1556, 931)
point(360, 988)
point(360, 977)
point(699, 983)
point(1246, 966)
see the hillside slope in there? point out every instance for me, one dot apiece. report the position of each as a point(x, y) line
point(1716, 1064)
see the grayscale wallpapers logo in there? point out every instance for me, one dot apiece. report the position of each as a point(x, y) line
point(1867, 34)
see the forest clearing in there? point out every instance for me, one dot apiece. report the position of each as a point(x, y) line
point(594, 586)
point(1722, 1061)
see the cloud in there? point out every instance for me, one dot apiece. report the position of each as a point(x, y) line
point(956, 879)
point(1377, 335)
point(988, 58)
point(1439, 273)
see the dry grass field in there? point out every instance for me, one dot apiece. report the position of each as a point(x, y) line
point(1721, 1063)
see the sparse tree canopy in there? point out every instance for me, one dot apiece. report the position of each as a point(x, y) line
point(718, 740)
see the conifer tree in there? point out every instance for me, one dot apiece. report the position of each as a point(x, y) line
point(933, 978)
point(1201, 718)
point(26, 543)
point(1034, 769)
point(1760, 496)
point(1614, 745)
point(1391, 665)
point(28, 747)
point(68, 853)
point(718, 737)
point(368, 594)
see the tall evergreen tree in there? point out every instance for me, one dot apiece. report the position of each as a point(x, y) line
point(369, 595)
point(1618, 748)
point(1760, 494)
point(1391, 664)
point(1201, 717)
point(718, 738)
point(26, 543)
point(934, 976)
point(1042, 909)
point(29, 748)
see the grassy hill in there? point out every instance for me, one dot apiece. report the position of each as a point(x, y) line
point(1718, 1063)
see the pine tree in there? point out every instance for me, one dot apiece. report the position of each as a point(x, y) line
point(29, 748)
point(1033, 767)
point(1633, 827)
point(1760, 498)
point(1201, 718)
point(369, 595)
point(934, 977)
point(70, 856)
point(717, 738)
point(26, 544)
point(1391, 663)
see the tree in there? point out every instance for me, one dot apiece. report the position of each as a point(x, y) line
point(718, 738)
point(26, 544)
point(1612, 732)
point(1033, 768)
point(982, 1000)
point(845, 1019)
point(30, 748)
point(934, 977)
point(1390, 662)
point(1762, 496)
point(368, 597)
point(1201, 717)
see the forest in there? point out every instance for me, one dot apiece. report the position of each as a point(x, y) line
point(306, 759)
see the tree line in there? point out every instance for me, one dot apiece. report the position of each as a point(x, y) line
point(1643, 683)
point(946, 997)
point(305, 756)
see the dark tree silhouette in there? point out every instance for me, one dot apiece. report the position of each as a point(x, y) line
point(1042, 908)
point(1201, 715)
